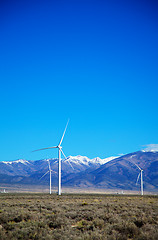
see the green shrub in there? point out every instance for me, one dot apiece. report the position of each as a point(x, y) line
point(84, 217)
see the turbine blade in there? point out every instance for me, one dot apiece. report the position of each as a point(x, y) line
point(67, 160)
point(136, 165)
point(44, 175)
point(71, 165)
point(62, 153)
point(63, 133)
point(44, 148)
point(137, 178)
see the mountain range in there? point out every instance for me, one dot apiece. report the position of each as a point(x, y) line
point(81, 172)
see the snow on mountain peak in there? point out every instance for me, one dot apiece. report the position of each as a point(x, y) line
point(22, 161)
point(151, 148)
point(105, 160)
point(87, 161)
point(78, 160)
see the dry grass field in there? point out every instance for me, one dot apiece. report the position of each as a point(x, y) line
point(78, 216)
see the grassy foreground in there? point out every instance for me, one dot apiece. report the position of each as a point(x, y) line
point(74, 216)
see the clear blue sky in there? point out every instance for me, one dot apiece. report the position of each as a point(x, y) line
point(95, 62)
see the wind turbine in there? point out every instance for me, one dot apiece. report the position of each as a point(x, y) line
point(50, 177)
point(59, 158)
point(141, 177)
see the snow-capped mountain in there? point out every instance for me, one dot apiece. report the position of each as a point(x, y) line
point(83, 160)
point(82, 163)
point(151, 148)
point(80, 171)
point(30, 172)
point(71, 164)
point(122, 173)
point(22, 161)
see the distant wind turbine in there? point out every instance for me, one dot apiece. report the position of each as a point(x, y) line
point(50, 177)
point(141, 177)
point(59, 158)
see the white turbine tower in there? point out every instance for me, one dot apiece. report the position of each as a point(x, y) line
point(141, 177)
point(59, 158)
point(50, 177)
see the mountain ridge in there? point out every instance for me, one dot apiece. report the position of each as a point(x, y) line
point(80, 171)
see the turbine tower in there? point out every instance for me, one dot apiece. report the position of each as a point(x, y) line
point(59, 158)
point(141, 177)
point(50, 177)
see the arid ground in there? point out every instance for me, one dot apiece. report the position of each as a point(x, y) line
point(78, 216)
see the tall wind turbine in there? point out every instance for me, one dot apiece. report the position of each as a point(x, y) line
point(141, 177)
point(59, 158)
point(50, 177)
